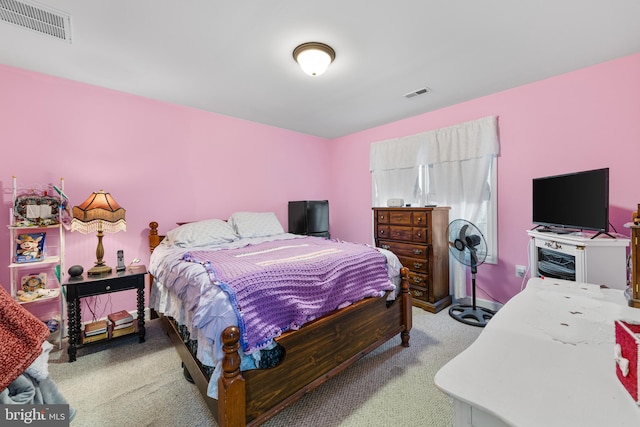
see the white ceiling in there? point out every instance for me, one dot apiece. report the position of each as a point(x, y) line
point(235, 57)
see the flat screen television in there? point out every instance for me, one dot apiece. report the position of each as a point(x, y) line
point(578, 200)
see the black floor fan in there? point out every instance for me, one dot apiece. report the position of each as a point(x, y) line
point(468, 246)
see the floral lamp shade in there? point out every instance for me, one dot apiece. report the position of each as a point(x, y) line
point(99, 213)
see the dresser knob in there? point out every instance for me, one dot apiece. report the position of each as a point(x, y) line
point(417, 279)
point(417, 251)
point(381, 232)
point(385, 247)
point(417, 265)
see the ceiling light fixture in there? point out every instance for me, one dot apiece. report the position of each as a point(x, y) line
point(314, 58)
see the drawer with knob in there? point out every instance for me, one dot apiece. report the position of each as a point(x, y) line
point(419, 293)
point(415, 264)
point(405, 249)
point(417, 279)
point(397, 232)
point(394, 217)
point(100, 287)
point(402, 218)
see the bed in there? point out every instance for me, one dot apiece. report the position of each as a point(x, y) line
point(309, 354)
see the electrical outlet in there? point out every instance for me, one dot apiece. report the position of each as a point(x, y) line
point(520, 270)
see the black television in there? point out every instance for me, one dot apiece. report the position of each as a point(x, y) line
point(573, 201)
point(310, 217)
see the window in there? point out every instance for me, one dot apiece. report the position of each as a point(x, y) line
point(454, 166)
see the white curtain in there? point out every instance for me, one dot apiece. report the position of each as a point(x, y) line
point(458, 159)
point(396, 166)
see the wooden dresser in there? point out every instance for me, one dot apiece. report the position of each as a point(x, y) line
point(418, 236)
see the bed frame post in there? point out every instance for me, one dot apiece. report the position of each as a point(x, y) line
point(406, 308)
point(231, 386)
point(154, 240)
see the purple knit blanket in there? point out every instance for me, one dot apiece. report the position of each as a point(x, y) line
point(280, 285)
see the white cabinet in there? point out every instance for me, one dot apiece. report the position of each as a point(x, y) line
point(579, 257)
point(36, 265)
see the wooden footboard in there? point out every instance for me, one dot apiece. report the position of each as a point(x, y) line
point(321, 350)
point(312, 355)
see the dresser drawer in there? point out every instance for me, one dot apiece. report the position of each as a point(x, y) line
point(401, 217)
point(382, 217)
point(415, 264)
point(405, 249)
point(419, 219)
point(419, 293)
point(417, 279)
point(383, 231)
point(419, 235)
point(397, 232)
point(100, 287)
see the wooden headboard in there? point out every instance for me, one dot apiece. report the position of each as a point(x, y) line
point(154, 237)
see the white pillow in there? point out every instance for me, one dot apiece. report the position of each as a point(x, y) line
point(255, 224)
point(202, 233)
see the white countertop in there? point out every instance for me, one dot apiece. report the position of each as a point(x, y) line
point(546, 359)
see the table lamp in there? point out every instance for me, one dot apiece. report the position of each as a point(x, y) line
point(101, 213)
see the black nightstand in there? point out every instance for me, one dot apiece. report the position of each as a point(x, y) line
point(87, 286)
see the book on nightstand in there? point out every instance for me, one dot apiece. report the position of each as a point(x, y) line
point(120, 317)
point(123, 331)
point(97, 337)
point(95, 328)
point(122, 326)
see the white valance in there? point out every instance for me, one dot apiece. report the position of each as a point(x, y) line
point(464, 141)
point(398, 153)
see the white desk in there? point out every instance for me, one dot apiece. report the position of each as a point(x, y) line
point(545, 359)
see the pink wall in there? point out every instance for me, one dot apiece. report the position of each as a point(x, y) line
point(161, 162)
point(582, 120)
point(101, 139)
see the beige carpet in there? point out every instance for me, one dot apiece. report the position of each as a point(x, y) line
point(124, 383)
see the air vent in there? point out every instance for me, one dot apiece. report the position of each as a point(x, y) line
point(36, 17)
point(417, 92)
